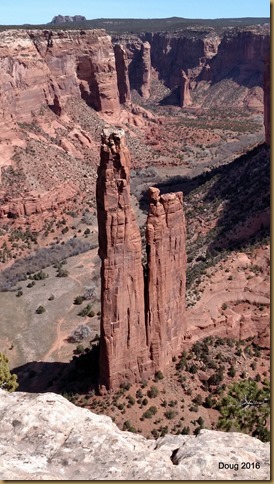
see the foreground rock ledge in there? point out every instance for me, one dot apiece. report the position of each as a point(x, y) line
point(45, 437)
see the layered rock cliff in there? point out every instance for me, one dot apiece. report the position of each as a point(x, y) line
point(206, 57)
point(45, 437)
point(166, 276)
point(31, 204)
point(44, 67)
point(267, 100)
point(142, 321)
point(241, 57)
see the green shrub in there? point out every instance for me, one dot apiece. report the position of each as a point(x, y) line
point(128, 426)
point(150, 412)
point(198, 399)
point(79, 349)
point(62, 272)
point(40, 310)
point(170, 414)
point(159, 375)
point(153, 392)
point(194, 408)
point(78, 300)
point(8, 381)
point(231, 371)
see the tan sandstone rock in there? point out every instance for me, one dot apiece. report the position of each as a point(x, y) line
point(45, 437)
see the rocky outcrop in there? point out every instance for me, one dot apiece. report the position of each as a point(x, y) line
point(138, 335)
point(26, 206)
point(65, 19)
point(121, 62)
point(185, 98)
point(166, 276)
point(45, 437)
point(267, 100)
point(145, 70)
point(123, 348)
point(44, 67)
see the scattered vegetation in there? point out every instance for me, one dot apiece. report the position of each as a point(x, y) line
point(8, 381)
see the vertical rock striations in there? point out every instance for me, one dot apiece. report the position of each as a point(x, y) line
point(166, 275)
point(267, 100)
point(146, 70)
point(122, 73)
point(123, 351)
point(140, 330)
point(185, 99)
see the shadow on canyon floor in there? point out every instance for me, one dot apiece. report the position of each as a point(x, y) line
point(79, 376)
point(238, 194)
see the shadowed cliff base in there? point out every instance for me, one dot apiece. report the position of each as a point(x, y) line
point(79, 376)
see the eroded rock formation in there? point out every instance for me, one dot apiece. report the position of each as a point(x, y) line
point(124, 352)
point(122, 73)
point(146, 70)
point(142, 324)
point(166, 276)
point(45, 437)
point(185, 98)
point(35, 204)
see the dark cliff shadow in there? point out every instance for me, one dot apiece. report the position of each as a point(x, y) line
point(173, 99)
point(79, 376)
point(242, 190)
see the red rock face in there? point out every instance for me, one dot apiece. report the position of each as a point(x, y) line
point(138, 335)
point(267, 101)
point(166, 276)
point(185, 98)
point(146, 70)
point(22, 207)
point(121, 62)
point(240, 56)
point(41, 67)
point(123, 350)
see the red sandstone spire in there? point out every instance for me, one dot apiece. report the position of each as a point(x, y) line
point(139, 332)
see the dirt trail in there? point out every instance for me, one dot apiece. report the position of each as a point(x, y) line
point(61, 335)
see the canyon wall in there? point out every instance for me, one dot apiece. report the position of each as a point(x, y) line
point(241, 57)
point(267, 100)
point(43, 67)
point(205, 56)
point(142, 317)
